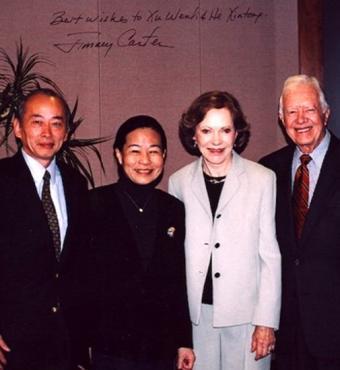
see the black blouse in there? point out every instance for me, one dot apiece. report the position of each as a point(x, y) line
point(214, 187)
point(140, 208)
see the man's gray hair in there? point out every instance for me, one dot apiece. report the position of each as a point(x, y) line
point(300, 80)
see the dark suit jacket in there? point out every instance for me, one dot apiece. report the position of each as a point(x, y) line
point(32, 283)
point(311, 267)
point(135, 306)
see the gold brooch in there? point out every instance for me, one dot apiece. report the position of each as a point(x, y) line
point(171, 231)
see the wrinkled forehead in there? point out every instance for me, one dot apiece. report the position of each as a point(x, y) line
point(301, 94)
point(42, 104)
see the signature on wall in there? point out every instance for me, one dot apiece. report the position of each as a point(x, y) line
point(140, 29)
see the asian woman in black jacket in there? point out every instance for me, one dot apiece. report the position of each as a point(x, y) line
point(140, 312)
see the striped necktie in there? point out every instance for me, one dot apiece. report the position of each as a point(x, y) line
point(301, 194)
point(51, 214)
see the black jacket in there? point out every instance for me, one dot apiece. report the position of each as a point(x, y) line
point(136, 307)
point(35, 290)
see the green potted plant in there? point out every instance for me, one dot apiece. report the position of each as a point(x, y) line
point(17, 79)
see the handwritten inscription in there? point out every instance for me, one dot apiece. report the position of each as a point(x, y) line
point(216, 14)
point(236, 14)
point(195, 15)
point(130, 38)
point(79, 41)
point(138, 37)
point(76, 41)
point(61, 17)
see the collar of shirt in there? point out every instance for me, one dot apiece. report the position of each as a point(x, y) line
point(38, 170)
point(318, 154)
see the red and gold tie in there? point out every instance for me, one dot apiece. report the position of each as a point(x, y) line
point(301, 193)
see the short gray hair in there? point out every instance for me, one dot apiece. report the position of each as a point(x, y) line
point(300, 80)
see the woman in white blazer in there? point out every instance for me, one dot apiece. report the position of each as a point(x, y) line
point(232, 257)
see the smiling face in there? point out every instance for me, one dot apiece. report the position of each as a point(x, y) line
point(215, 137)
point(142, 157)
point(303, 118)
point(43, 128)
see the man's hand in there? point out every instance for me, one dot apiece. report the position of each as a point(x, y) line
point(185, 358)
point(263, 341)
point(3, 348)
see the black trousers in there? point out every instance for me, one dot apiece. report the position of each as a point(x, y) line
point(50, 350)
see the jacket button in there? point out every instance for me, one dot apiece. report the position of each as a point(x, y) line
point(217, 245)
point(297, 262)
point(218, 216)
point(217, 275)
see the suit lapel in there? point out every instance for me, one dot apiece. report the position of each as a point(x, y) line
point(27, 190)
point(164, 215)
point(199, 189)
point(70, 199)
point(229, 189)
point(68, 193)
point(232, 182)
point(327, 183)
point(284, 211)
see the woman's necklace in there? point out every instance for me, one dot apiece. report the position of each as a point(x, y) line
point(214, 180)
point(137, 206)
point(208, 175)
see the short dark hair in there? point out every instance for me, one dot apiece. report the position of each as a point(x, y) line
point(199, 108)
point(134, 123)
point(46, 92)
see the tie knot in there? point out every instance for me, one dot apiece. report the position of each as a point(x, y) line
point(47, 176)
point(305, 159)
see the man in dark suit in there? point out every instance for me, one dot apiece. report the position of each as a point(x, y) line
point(39, 247)
point(308, 230)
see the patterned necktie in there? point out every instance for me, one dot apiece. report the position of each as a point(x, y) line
point(301, 194)
point(51, 214)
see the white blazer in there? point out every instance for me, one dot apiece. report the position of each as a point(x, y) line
point(248, 289)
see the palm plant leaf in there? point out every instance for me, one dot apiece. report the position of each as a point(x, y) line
point(74, 148)
point(17, 79)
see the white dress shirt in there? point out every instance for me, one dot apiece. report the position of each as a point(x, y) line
point(56, 188)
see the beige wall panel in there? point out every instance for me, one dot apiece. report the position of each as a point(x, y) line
point(156, 56)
